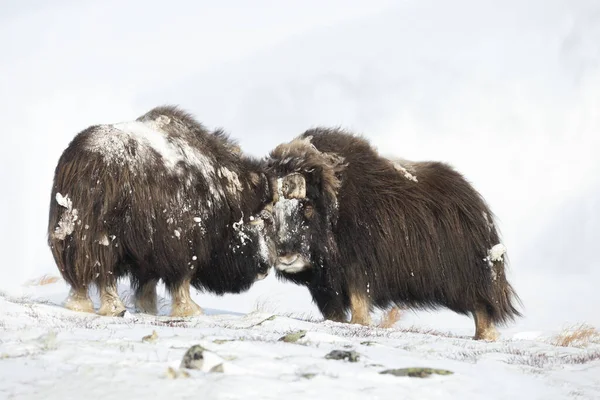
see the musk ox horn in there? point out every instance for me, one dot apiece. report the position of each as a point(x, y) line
point(292, 186)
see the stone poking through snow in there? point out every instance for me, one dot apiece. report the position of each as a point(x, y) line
point(193, 358)
point(416, 372)
point(351, 356)
point(293, 337)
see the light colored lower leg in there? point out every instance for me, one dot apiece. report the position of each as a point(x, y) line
point(390, 318)
point(484, 328)
point(360, 308)
point(145, 297)
point(182, 303)
point(110, 302)
point(78, 300)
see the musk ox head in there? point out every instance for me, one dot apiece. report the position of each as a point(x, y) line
point(305, 182)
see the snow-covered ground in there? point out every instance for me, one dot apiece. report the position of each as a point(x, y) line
point(48, 352)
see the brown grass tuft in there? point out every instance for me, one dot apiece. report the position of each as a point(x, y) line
point(43, 280)
point(578, 336)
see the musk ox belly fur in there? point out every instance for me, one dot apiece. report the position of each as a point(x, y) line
point(377, 232)
point(157, 198)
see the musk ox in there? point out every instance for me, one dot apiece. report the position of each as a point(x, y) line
point(160, 197)
point(364, 231)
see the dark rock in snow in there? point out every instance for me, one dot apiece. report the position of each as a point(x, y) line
point(351, 356)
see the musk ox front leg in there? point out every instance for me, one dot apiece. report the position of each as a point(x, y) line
point(182, 303)
point(484, 327)
point(331, 304)
point(110, 302)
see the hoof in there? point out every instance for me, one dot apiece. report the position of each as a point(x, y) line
point(359, 321)
point(80, 304)
point(489, 335)
point(186, 310)
point(146, 308)
point(112, 310)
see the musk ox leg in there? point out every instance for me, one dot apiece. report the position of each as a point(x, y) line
point(145, 297)
point(484, 327)
point(182, 303)
point(360, 306)
point(78, 300)
point(330, 304)
point(110, 302)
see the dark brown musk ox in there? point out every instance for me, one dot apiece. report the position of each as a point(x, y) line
point(363, 231)
point(157, 198)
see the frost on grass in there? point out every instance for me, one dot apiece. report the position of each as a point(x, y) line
point(578, 336)
point(66, 224)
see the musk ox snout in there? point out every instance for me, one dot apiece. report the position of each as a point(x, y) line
point(292, 263)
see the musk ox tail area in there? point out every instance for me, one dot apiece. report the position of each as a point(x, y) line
point(501, 297)
point(81, 246)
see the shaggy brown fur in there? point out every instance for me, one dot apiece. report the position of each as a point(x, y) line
point(370, 229)
point(157, 198)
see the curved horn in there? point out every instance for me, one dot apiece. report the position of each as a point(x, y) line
point(292, 186)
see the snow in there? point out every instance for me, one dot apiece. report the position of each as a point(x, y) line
point(48, 352)
point(496, 252)
point(66, 224)
point(112, 141)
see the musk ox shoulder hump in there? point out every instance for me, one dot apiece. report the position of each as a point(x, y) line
point(137, 144)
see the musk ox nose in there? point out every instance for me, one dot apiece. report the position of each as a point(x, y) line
point(288, 259)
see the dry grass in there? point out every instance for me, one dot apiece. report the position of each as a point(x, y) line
point(579, 336)
point(43, 280)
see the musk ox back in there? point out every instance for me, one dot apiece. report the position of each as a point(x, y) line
point(157, 198)
point(363, 231)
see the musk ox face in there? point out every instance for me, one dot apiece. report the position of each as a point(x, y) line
point(293, 223)
point(261, 231)
point(304, 182)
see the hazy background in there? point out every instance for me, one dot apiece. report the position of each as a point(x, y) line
point(506, 91)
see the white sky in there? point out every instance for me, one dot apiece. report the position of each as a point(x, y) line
point(507, 92)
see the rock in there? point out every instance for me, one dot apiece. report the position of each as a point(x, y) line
point(293, 337)
point(193, 358)
point(150, 338)
point(416, 372)
point(172, 373)
point(217, 368)
point(351, 356)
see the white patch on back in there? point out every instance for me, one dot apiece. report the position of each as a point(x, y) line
point(111, 141)
point(233, 182)
point(403, 169)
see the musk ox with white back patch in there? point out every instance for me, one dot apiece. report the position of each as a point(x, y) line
point(157, 198)
point(363, 231)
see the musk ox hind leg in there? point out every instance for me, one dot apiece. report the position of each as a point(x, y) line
point(78, 300)
point(110, 302)
point(182, 303)
point(360, 307)
point(484, 326)
point(145, 297)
